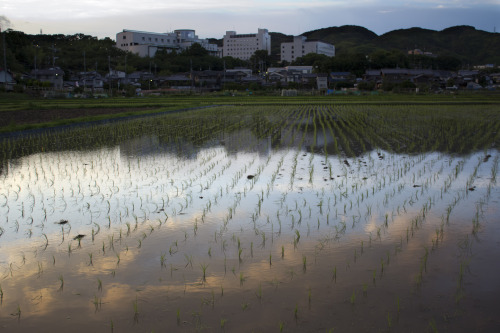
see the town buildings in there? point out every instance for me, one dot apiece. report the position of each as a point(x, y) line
point(146, 44)
point(243, 46)
point(301, 46)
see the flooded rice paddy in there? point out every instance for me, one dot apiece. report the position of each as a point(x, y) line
point(255, 219)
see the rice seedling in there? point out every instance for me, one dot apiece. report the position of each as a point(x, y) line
point(223, 322)
point(135, 305)
point(259, 292)
point(97, 303)
point(433, 326)
point(163, 260)
point(204, 270)
point(189, 260)
point(17, 313)
point(61, 280)
point(353, 297)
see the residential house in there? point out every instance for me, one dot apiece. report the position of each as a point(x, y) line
point(53, 75)
point(87, 80)
point(297, 74)
point(7, 80)
point(466, 76)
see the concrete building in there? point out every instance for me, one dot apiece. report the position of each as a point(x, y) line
point(243, 46)
point(301, 46)
point(186, 38)
point(146, 44)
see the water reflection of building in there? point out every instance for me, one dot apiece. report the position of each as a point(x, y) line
point(147, 145)
point(246, 141)
point(295, 137)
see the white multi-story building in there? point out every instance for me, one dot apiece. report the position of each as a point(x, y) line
point(145, 44)
point(243, 46)
point(301, 46)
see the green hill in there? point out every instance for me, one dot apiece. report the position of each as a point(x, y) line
point(471, 46)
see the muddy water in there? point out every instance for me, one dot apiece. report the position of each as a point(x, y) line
point(241, 236)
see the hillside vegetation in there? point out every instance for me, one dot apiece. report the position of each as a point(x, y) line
point(357, 49)
point(471, 46)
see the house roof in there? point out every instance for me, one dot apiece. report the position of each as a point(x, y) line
point(394, 71)
point(49, 71)
point(177, 77)
point(332, 74)
point(373, 72)
point(467, 73)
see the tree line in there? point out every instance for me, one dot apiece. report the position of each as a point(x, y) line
point(79, 52)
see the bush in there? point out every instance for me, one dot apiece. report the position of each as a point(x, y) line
point(18, 88)
point(366, 86)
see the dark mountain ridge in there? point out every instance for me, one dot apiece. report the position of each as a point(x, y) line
point(466, 43)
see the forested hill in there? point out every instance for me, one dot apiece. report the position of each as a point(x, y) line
point(455, 47)
point(471, 46)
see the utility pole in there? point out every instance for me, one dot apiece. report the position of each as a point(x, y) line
point(191, 72)
point(125, 68)
point(4, 59)
point(36, 48)
point(84, 71)
point(54, 56)
point(109, 76)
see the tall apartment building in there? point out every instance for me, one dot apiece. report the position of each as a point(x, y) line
point(145, 44)
point(301, 46)
point(243, 46)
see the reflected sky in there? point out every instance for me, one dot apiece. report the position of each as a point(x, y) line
point(255, 217)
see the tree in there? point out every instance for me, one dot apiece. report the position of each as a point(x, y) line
point(260, 61)
point(195, 50)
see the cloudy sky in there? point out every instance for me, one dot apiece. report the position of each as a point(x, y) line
point(211, 18)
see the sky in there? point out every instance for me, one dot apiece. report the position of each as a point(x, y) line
point(212, 18)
